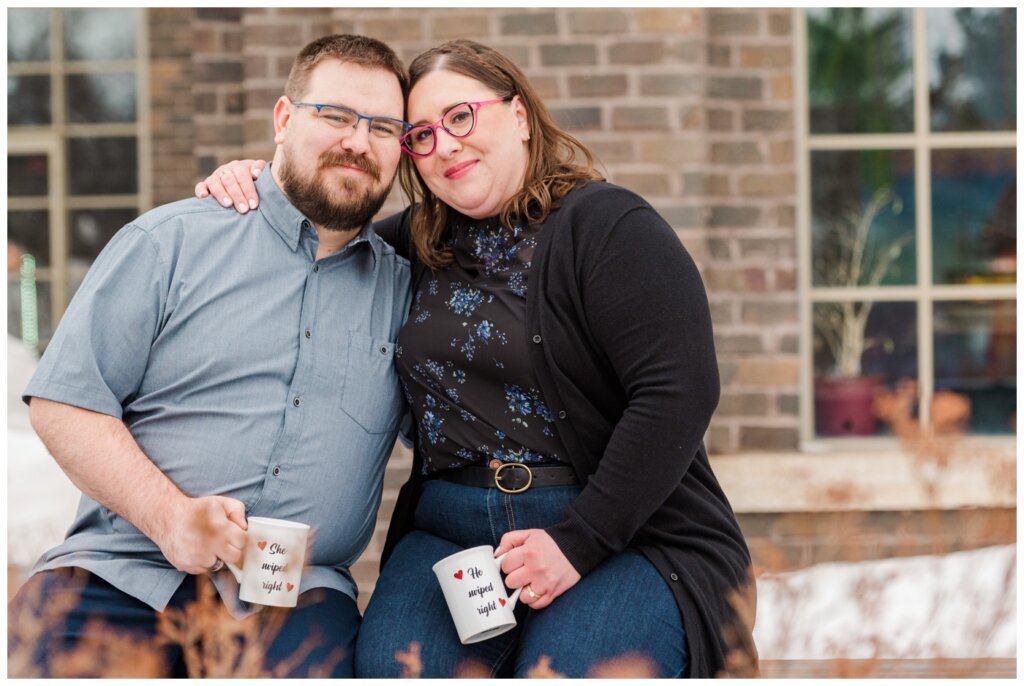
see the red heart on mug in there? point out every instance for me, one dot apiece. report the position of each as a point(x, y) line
point(261, 545)
point(502, 601)
point(290, 587)
point(458, 575)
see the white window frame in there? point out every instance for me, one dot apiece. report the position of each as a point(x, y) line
point(924, 293)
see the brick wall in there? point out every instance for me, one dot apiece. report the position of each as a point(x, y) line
point(691, 108)
point(749, 182)
point(170, 89)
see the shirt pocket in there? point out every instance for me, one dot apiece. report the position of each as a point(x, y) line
point(371, 396)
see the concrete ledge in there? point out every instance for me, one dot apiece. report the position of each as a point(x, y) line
point(980, 668)
point(974, 473)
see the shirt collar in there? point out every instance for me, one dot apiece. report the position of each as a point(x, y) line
point(288, 221)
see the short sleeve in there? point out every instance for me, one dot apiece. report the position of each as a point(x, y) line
point(99, 353)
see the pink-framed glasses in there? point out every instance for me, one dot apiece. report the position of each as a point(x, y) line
point(459, 121)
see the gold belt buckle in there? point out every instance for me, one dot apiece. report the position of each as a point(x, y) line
point(497, 478)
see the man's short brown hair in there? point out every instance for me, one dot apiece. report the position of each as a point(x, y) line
point(361, 50)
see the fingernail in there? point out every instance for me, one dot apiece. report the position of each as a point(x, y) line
point(203, 194)
point(252, 204)
point(226, 202)
point(256, 171)
point(243, 208)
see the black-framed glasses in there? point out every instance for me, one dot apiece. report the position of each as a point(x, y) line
point(339, 117)
point(459, 121)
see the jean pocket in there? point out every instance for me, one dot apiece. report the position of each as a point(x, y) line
point(371, 396)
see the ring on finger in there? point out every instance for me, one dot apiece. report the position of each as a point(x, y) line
point(530, 592)
point(216, 566)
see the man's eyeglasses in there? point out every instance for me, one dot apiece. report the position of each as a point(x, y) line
point(459, 121)
point(341, 118)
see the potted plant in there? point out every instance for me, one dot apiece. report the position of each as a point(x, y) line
point(844, 258)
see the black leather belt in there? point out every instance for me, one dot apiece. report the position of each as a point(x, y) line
point(510, 477)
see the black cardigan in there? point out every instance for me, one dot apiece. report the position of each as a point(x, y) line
point(619, 331)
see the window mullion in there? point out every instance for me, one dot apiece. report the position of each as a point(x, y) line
point(923, 194)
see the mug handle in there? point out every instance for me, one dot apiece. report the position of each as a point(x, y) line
point(515, 594)
point(234, 570)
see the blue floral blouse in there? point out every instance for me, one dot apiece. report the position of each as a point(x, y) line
point(462, 355)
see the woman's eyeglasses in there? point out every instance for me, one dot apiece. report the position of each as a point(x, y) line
point(459, 121)
point(339, 117)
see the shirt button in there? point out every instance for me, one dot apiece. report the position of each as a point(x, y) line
point(383, 350)
point(673, 576)
point(277, 471)
point(562, 414)
point(536, 338)
point(316, 268)
point(296, 402)
point(308, 333)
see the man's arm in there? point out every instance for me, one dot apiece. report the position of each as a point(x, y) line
point(102, 459)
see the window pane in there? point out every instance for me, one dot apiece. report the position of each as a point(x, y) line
point(98, 166)
point(101, 98)
point(974, 216)
point(862, 218)
point(28, 100)
point(860, 70)
point(972, 68)
point(27, 175)
point(92, 229)
point(858, 348)
point(29, 232)
point(976, 355)
point(99, 34)
point(28, 35)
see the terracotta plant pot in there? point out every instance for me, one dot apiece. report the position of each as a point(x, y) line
point(842, 406)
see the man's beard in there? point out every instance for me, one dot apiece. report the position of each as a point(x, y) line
point(312, 196)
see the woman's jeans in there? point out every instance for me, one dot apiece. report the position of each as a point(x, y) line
point(622, 610)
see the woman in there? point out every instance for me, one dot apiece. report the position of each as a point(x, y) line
point(557, 323)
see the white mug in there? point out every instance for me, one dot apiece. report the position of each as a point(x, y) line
point(275, 550)
point(475, 593)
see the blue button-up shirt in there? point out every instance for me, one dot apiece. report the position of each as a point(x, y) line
point(243, 367)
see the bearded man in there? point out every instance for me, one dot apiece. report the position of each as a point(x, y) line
point(216, 366)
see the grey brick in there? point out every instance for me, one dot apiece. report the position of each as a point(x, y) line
point(767, 120)
point(670, 84)
point(735, 153)
point(597, 85)
point(735, 87)
point(719, 55)
point(637, 53)
point(598, 21)
point(728, 215)
point(577, 118)
point(742, 404)
point(731, 23)
point(682, 217)
point(529, 24)
point(640, 119)
point(569, 54)
point(769, 438)
point(738, 344)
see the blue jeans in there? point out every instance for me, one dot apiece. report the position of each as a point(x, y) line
point(623, 608)
point(51, 617)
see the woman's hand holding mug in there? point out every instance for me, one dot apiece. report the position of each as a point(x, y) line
point(534, 562)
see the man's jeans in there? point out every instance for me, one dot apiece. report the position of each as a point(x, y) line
point(53, 631)
point(621, 610)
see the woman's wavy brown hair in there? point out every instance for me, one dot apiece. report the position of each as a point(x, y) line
point(552, 170)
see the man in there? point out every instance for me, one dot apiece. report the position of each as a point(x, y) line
point(215, 366)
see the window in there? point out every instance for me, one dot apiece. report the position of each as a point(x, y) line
point(76, 142)
point(907, 213)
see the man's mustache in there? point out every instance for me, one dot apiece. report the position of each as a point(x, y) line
point(337, 159)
